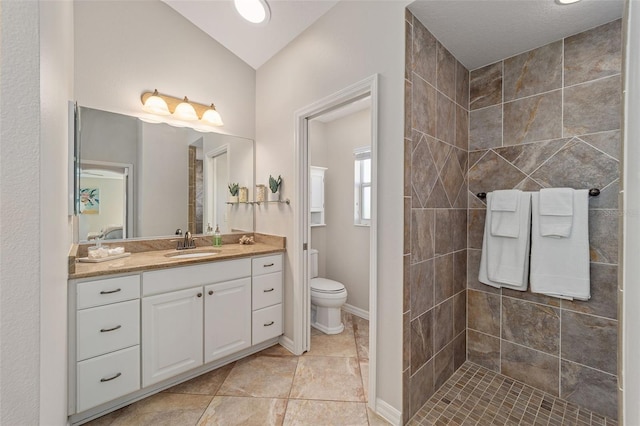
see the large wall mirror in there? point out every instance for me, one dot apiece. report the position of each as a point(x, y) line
point(142, 180)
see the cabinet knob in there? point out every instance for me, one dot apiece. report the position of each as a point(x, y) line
point(199, 294)
point(210, 292)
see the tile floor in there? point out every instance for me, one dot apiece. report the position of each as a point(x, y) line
point(477, 396)
point(325, 386)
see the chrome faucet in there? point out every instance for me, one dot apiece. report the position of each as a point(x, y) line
point(188, 242)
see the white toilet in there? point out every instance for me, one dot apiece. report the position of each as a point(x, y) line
point(327, 297)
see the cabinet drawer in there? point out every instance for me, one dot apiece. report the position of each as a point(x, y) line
point(107, 328)
point(111, 290)
point(266, 264)
point(267, 323)
point(267, 290)
point(157, 282)
point(108, 377)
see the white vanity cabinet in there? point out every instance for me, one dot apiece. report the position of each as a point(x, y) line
point(104, 322)
point(267, 298)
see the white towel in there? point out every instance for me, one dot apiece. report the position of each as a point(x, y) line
point(556, 212)
point(560, 266)
point(505, 261)
point(505, 216)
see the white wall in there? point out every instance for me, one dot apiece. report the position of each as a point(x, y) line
point(111, 205)
point(630, 293)
point(349, 43)
point(124, 48)
point(343, 246)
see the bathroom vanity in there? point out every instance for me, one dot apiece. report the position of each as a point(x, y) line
point(144, 323)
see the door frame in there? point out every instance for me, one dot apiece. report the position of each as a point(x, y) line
point(209, 182)
point(301, 234)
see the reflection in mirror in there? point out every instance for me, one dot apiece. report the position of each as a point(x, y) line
point(142, 180)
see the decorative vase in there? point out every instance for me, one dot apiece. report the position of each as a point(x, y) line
point(261, 193)
point(243, 196)
point(274, 196)
point(232, 199)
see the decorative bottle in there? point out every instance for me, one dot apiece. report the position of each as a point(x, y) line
point(217, 237)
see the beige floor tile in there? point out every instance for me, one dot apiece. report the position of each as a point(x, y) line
point(364, 373)
point(305, 412)
point(207, 384)
point(260, 376)
point(361, 330)
point(233, 410)
point(347, 320)
point(328, 378)
point(343, 344)
point(163, 409)
point(376, 420)
point(275, 350)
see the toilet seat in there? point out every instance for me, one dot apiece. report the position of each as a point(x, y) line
point(326, 286)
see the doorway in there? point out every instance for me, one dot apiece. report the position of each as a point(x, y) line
point(363, 93)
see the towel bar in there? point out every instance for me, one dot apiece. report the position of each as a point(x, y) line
point(593, 192)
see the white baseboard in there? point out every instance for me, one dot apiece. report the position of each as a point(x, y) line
point(356, 311)
point(390, 414)
point(287, 343)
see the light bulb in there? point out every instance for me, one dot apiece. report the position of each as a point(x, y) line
point(185, 111)
point(211, 116)
point(156, 105)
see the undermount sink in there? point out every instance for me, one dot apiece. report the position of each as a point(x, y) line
point(192, 254)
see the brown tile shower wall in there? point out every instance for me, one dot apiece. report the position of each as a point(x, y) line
point(550, 117)
point(435, 206)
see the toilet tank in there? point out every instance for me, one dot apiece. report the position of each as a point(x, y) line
point(313, 262)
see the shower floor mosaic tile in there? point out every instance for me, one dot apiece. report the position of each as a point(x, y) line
point(477, 396)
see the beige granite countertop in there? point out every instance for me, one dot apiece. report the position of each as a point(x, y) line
point(157, 259)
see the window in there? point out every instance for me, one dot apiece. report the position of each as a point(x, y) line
point(362, 187)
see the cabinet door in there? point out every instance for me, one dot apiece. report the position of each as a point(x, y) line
point(171, 334)
point(317, 191)
point(227, 316)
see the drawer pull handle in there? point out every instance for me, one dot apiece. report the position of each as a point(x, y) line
point(110, 291)
point(268, 265)
point(268, 324)
point(111, 378)
point(269, 290)
point(210, 292)
point(104, 330)
point(199, 294)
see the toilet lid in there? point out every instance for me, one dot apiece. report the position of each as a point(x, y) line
point(323, 285)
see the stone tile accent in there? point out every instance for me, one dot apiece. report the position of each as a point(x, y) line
point(532, 325)
point(423, 109)
point(459, 271)
point(607, 142)
point(603, 236)
point(493, 172)
point(528, 157)
point(443, 278)
point(531, 297)
point(443, 366)
point(604, 293)
point(445, 119)
point(533, 119)
point(484, 350)
point(422, 229)
point(590, 341)
point(424, 52)
point(476, 227)
point(484, 312)
point(459, 350)
point(421, 387)
point(406, 341)
point(424, 173)
point(462, 85)
point(421, 340)
point(593, 54)
point(444, 238)
point(443, 324)
point(485, 128)
point(582, 115)
point(590, 388)
point(422, 287)
point(533, 72)
point(459, 313)
point(530, 366)
point(446, 72)
point(485, 86)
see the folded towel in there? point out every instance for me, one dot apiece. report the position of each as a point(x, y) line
point(505, 217)
point(556, 212)
point(505, 261)
point(560, 266)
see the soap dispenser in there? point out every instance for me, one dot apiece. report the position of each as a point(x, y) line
point(217, 237)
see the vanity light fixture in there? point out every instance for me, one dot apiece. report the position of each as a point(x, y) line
point(181, 109)
point(155, 104)
point(254, 11)
point(185, 111)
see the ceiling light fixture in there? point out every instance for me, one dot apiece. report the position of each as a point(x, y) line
point(565, 2)
point(254, 11)
point(181, 109)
